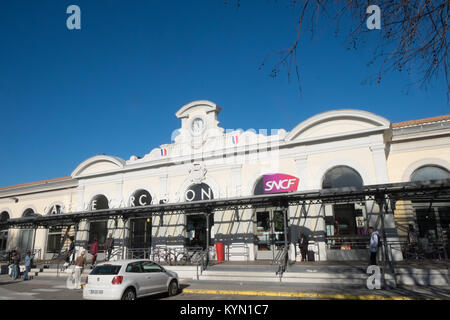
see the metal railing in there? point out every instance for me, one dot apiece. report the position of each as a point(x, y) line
point(202, 262)
point(245, 252)
point(139, 253)
point(431, 252)
point(347, 242)
point(282, 260)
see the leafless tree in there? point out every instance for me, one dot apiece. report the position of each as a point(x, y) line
point(413, 35)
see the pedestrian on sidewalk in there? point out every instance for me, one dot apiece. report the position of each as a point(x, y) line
point(373, 246)
point(13, 264)
point(303, 246)
point(94, 251)
point(80, 262)
point(71, 250)
point(16, 265)
point(109, 245)
point(28, 258)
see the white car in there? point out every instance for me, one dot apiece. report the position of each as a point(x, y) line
point(128, 280)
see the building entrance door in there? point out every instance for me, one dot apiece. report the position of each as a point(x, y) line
point(140, 233)
point(270, 233)
point(196, 230)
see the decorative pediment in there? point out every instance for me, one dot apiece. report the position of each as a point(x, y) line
point(98, 164)
point(338, 123)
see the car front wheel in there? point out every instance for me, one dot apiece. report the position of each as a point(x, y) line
point(173, 288)
point(129, 294)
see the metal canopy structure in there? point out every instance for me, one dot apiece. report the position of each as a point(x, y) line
point(424, 191)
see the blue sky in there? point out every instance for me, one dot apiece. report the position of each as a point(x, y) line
point(114, 86)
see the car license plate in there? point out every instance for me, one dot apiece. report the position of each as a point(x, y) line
point(96, 291)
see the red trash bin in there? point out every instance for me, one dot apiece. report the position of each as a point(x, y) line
point(220, 251)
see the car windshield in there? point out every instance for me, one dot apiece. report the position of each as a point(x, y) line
point(106, 270)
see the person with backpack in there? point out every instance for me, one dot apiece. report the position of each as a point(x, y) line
point(375, 243)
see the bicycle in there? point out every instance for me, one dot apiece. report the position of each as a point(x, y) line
point(185, 256)
point(163, 255)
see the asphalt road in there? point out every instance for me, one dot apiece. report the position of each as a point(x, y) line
point(55, 289)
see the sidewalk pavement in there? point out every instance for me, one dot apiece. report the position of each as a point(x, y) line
point(54, 289)
point(196, 289)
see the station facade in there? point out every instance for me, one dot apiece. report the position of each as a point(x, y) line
point(339, 148)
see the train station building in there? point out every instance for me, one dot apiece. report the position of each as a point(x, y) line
point(345, 148)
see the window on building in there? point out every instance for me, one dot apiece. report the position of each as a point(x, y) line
point(99, 202)
point(54, 240)
point(98, 230)
point(54, 237)
point(4, 216)
point(444, 217)
point(346, 219)
point(26, 238)
point(426, 217)
point(426, 221)
point(341, 176)
point(430, 173)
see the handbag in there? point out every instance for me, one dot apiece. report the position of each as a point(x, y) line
point(71, 282)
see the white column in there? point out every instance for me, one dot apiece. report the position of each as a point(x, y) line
point(119, 194)
point(301, 164)
point(80, 196)
point(163, 188)
point(236, 183)
point(379, 162)
point(390, 230)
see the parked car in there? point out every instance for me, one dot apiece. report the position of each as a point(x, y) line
point(128, 280)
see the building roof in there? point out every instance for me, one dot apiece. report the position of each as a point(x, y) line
point(35, 183)
point(421, 121)
point(395, 125)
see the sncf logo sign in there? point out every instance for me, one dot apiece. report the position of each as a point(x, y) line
point(274, 183)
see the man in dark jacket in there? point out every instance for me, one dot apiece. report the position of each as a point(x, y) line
point(109, 245)
point(303, 245)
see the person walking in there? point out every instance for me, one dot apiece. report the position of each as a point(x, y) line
point(13, 264)
point(109, 245)
point(28, 258)
point(16, 265)
point(94, 251)
point(412, 241)
point(373, 246)
point(303, 246)
point(80, 262)
point(71, 250)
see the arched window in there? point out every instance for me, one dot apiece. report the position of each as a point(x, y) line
point(98, 230)
point(28, 213)
point(198, 192)
point(341, 176)
point(196, 223)
point(26, 239)
point(140, 198)
point(99, 202)
point(140, 235)
point(430, 172)
point(427, 216)
point(347, 219)
point(55, 209)
point(4, 216)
